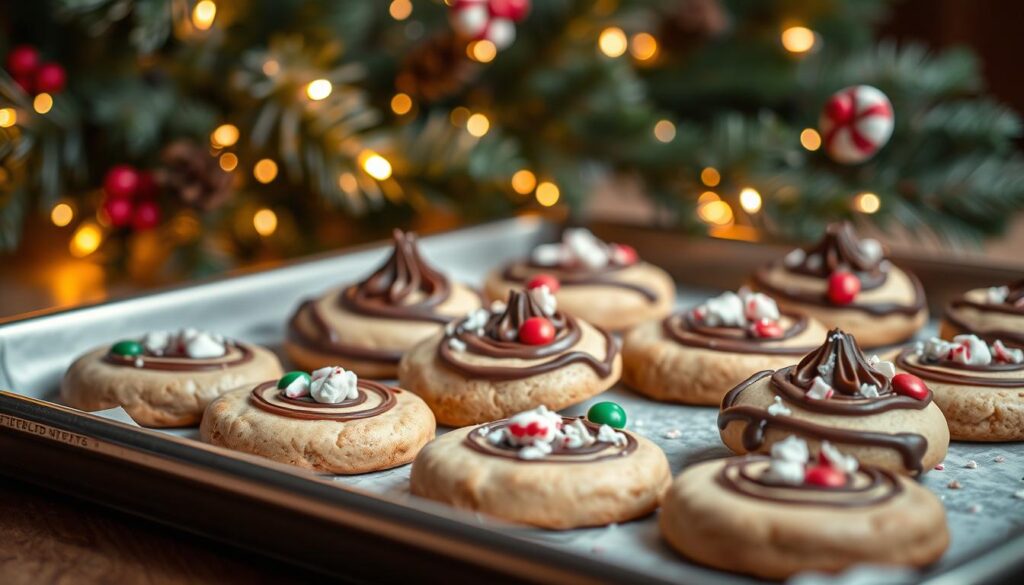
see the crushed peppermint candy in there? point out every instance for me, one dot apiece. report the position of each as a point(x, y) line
point(672, 434)
point(954, 485)
point(968, 349)
point(188, 342)
point(789, 460)
point(835, 458)
point(777, 408)
point(795, 257)
point(997, 294)
point(972, 464)
point(999, 459)
point(737, 309)
point(580, 247)
point(333, 384)
point(543, 296)
point(940, 467)
point(1006, 355)
point(820, 390)
point(869, 390)
point(456, 344)
point(886, 368)
point(475, 321)
point(536, 433)
point(498, 306)
point(826, 369)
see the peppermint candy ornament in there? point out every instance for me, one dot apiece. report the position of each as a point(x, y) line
point(856, 123)
point(492, 20)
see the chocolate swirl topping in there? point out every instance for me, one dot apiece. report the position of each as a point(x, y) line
point(405, 287)
point(867, 486)
point(499, 340)
point(236, 354)
point(1012, 305)
point(685, 330)
point(950, 372)
point(376, 397)
point(598, 451)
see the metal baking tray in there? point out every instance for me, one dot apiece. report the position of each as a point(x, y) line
point(369, 526)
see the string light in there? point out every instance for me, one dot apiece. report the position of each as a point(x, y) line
point(707, 197)
point(710, 177)
point(348, 182)
point(478, 125)
point(547, 194)
point(400, 9)
point(523, 182)
point(265, 170)
point(87, 239)
point(271, 67)
point(265, 222)
point(798, 39)
point(8, 117)
point(612, 42)
point(664, 131)
point(867, 203)
point(401, 103)
point(203, 14)
point(375, 165)
point(810, 139)
point(43, 103)
point(228, 161)
point(716, 212)
point(750, 200)
point(460, 115)
point(319, 89)
point(643, 46)
point(62, 214)
point(224, 135)
point(482, 51)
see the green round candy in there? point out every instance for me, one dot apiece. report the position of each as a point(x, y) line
point(607, 413)
point(127, 348)
point(291, 377)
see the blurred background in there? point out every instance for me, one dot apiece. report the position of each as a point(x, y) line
point(151, 142)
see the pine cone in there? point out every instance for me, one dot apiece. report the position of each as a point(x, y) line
point(436, 70)
point(191, 174)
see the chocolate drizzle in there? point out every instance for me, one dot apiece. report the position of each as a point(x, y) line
point(500, 341)
point(598, 451)
point(267, 396)
point(685, 330)
point(910, 361)
point(1015, 295)
point(325, 339)
point(1013, 305)
point(867, 486)
point(576, 275)
point(405, 287)
point(236, 354)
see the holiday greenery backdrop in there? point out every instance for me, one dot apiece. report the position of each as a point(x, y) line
point(227, 126)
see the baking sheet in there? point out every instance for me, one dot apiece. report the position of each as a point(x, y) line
point(986, 509)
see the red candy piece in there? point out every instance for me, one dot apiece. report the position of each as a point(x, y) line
point(910, 385)
point(824, 476)
point(534, 429)
point(511, 9)
point(50, 78)
point(146, 216)
point(118, 210)
point(536, 331)
point(843, 287)
point(121, 181)
point(766, 329)
point(625, 254)
point(544, 280)
point(839, 108)
point(22, 61)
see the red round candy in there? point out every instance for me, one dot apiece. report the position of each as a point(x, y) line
point(22, 61)
point(625, 254)
point(767, 329)
point(544, 280)
point(118, 210)
point(536, 331)
point(146, 216)
point(839, 108)
point(50, 78)
point(843, 287)
point(121, 181)
point(824, 476)
point(511, 9)
point(910, 385)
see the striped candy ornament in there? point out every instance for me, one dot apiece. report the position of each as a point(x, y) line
point(492, 20)
point(856, 123)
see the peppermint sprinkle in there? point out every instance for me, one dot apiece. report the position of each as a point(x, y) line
point(954, 485)
point(972, 464)
point(672, 434)
point(940, 467)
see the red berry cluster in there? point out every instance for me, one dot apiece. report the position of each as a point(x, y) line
point(24, 65)
point(130, 198)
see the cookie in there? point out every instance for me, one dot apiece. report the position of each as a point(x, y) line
point(775, 517)
point(979, 387)
point(330, 422)
point(545, 470)
point(604, 284)
point(696, 356)
point(835, 394)
point(990, 313)
point(164, 379)
point(847, 282)
point(368, 326)
point(517, 356)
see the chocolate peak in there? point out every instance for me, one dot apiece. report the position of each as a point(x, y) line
point(841, 363)
point(504, 326)
point(403, 275)
point(840, 248)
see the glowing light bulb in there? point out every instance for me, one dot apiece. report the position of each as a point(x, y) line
point(87, 239)
point(643, 46)
point(612, 42)
point(265, 222)
point(228, 161)
point(482, 51)
point(62, 214)
point(710, 177)
point(400, 9)
point(798, 39)
point(478, 125)
point(265, 170)
point(375, 165)
point(750, 200)
point(224, 135)
point(664, 131)
point(401, 103)
point(547, 194)
point(523, 182)
point(319, 89)
point(867, 203)
point(810, 139)
point(8, 117)
point(203, 14)
point(43, 103)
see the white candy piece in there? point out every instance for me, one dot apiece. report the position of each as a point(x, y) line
point(606, 434)
point(576, 435)
point(545, 426)
point(201, 345)
point(456, 345)
point(970, 350)
point(792, 448)
point(820, 390)
point(996, 295)
point(535, 451)
point(547, 254)
point(475, 320)
point(795, 257)
point(826, 369)
point(498, 307)
point(789, 458)
point(936, 349)
point(869, 390)
point(886, 368)
point(584, 247)
point(777, 408)
point(543, 296)
point(725, 310)
point(157, 342)
point(814, 261)
point(298, 388)
point(759, 306)
point(332, 385)
point(871, 248)
point(845, 463)
point(1006, 355)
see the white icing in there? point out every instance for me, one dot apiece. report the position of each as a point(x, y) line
point(869, 390)
point(543, 296)
point(871, 248)
point(996, 295)
point(778, 408)
point(820, 389)
point(332, 385)
point(837, 460)
point(298, 387)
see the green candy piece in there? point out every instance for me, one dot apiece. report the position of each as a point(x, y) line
point(127, 348)
point(291, 377)
point(607, 413)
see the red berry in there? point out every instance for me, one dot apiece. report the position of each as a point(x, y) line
point(910, 385)
point(843, 287)
point(50, 78)
point(121, 181)
point(118, 210)
point(839, 108)
point(148, 188)
point(767, 329)
point(22, 61)
point(824, 476)
point(536, 331)
point(146, 216)
point(511, 9)
point(544, 280)
point(624, 254)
